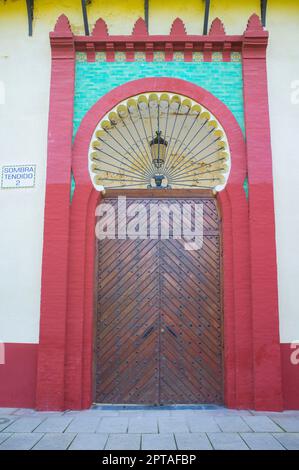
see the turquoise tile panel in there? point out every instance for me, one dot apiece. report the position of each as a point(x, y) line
point(95, 79)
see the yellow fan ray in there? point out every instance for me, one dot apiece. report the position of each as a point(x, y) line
point(100, 134)
point(175, 99)
point(186, 103)
point(106, 124)
point(153, 97)
point(196, 109)
point(142, 99)
point(164, 97)
point(96, 144)
point(206, 116)
point(218, 133)
point(114, 118)
point(95, 156)
point(122, 111)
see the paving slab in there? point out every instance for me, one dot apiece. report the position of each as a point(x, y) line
point(232, 424)
point(172, 424)
point(83, 424)
point(7, 411)
point(24, 424)
point(4, 436)
point(113, 425)
point(131, 414)
point(227, 441)
point(98, 413)
point(194, 441)
point(294, 413)
point(51, 425)
point(20, 441)
point(203, 423)
point(222, 412)
point(6, 420)
point(157, 413)
point(158, 442)
point(142, 424)
point(277, 414)
point(89, 441)
point(261, 441)
point(48, 414)
point(54, 441)
point(289, 440)
point(261, 424)
point(123, 442)
point(24, 412)
point(288, 424)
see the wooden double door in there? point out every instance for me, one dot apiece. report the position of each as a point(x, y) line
point(158, 314)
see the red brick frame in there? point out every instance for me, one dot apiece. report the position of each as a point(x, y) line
point(252, 360)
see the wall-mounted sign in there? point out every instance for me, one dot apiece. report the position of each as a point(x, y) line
point(18, 176)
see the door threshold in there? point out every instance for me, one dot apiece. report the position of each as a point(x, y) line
point(107, 406)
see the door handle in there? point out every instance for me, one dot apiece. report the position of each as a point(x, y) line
point(171, 331)
point(147, 332)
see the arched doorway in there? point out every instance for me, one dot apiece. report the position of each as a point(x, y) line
point(74, 386)
point(158, 289)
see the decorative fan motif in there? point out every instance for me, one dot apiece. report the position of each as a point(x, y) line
point(159, 140)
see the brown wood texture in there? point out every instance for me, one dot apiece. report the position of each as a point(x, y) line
point(159, 315)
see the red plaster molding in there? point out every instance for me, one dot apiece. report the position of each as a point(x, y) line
point(254, 24)
point(217, 28)
point(62, 27)
point(178, 28)
point(142, 41)
point(110, 53)
point(290, 376)
point(18, 375)
point(100, 29)
point(168, 51)
point(267, 360)
point(188, 49)
point(91, 54)
point(50, 372)
point(207, 51)
point(227, 51)
point(140, 28)
point(149, 51)
point(130, 56)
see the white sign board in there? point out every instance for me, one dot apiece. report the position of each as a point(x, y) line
point(18, 176)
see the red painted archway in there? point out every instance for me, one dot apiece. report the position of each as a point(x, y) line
point(69, 384)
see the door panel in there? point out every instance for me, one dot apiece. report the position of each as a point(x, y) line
point(127, 322)
point(159, 316)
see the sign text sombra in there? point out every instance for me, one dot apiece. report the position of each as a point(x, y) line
point(18, 176)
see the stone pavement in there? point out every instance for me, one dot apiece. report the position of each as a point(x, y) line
point(148, 429)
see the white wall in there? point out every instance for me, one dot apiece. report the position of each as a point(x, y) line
point(25, 74)
point(283, 69)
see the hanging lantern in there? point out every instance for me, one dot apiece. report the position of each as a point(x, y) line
point(158, 150)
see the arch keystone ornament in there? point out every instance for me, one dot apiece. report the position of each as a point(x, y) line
point(252, 368)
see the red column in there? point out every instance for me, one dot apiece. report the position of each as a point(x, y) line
point(50, 375)
point(79, 333)
point(238, 359)
point(267, 361)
